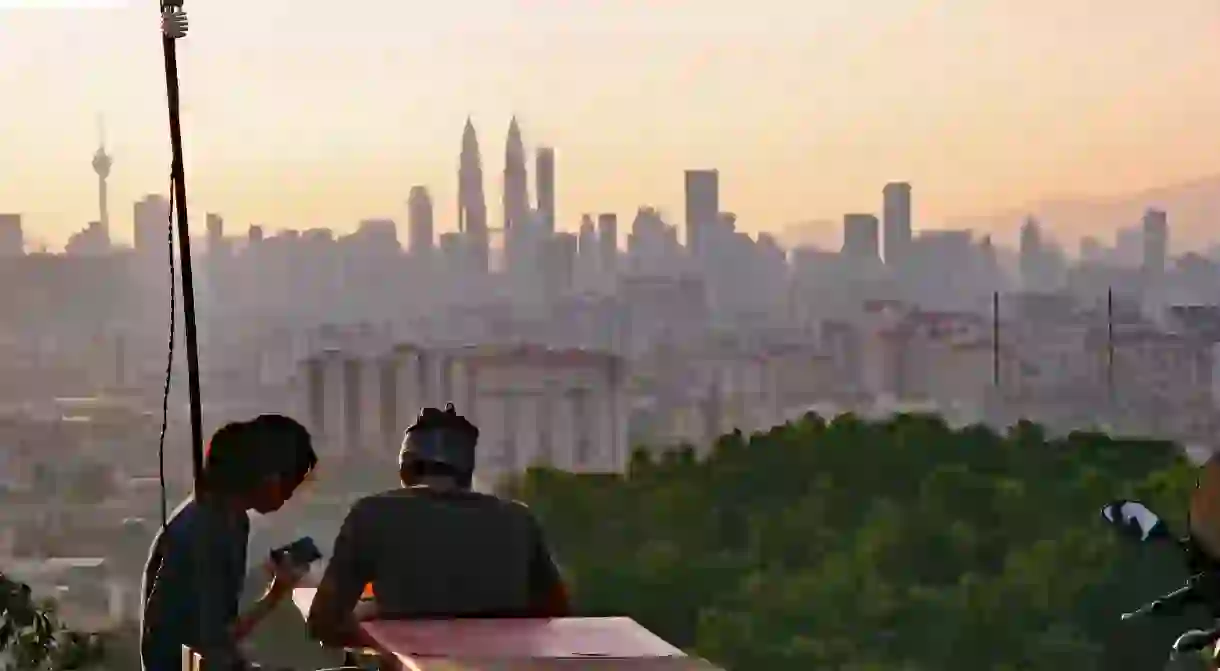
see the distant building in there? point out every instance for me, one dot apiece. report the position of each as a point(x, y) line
point(861, 237)
point(702, 206)
point(12, 237)
point(150, 222)
point(607, 243)
point(1156, 242)
point(419, 222)
point(544, 173)
point(896, 197)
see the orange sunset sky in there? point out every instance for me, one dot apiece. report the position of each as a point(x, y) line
point(309, 113)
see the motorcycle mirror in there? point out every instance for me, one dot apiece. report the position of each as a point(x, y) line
point(1135, 520)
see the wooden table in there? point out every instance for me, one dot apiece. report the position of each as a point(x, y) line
point(597, 643)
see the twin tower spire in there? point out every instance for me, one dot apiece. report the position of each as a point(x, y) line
point(472, 206)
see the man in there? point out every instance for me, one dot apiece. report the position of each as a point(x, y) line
point(197, 566)
point(435, 548)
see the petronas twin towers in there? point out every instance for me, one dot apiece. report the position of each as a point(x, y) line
point(472, 206)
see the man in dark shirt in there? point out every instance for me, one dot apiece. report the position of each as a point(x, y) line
point(197, 565)
point(434, 548)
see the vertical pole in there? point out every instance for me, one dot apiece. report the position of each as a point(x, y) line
point(995, 339)
point(1110, 346)
point(178, 173)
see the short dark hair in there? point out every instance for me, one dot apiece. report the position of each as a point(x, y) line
point(447, 421)
point(243, 455)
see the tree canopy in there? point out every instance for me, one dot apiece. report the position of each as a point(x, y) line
point(898, 545)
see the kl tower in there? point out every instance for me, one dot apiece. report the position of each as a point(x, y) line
point(101, 165)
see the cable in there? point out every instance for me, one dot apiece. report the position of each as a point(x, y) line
point(169, 360)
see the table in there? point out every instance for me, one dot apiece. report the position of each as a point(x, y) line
point(596, 643)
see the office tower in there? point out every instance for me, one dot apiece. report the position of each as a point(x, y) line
point(1156, 241)
point(12, 237)
point(472, 207)
point(419, 222)
point(1030, 253)
point(861, 234)
point(215, 232)
point(255, 235)
point(702, 206)
point(150, 221)
point(379, 234)
point(897, 221)
point(607, 243)
point(102, 163)
point(560, 263)
point(516, 199)
point(544, 172)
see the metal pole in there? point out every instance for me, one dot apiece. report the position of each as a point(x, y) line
point(1110, 345)
point(995, 339)
point(178, 174)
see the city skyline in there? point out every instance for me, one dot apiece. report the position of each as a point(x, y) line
point(637, 98)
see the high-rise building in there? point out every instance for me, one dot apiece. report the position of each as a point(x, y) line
point(607, 242)
point(516, 180)
point(897, 221)
point(544, 173)
point(560, 270)
point(12, 236)
point(150, 223)
point(472, 207)
point(861, 237)
point(419, 222)
point(1156, 241)
point(702, 205)
point(255, 235)
point(1030, 254)
point(215, 232)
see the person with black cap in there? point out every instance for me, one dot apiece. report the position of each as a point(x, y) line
point(434, 547)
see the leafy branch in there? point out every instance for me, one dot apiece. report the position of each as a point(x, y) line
point(33, 637)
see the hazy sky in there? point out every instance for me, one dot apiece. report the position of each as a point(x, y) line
point(303, 112)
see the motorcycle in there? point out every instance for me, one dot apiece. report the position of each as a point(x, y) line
point(1138, 522)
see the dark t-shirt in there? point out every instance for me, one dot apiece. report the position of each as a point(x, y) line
point(442, 553)
point(192, 585)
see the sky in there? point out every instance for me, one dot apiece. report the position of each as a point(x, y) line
point(302, 113)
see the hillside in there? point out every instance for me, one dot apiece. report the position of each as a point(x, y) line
point(1193, 207)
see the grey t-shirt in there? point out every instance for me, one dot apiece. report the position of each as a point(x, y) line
point(192, 585)
point(431, 553)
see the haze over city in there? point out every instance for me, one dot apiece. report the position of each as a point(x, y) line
point(301, 114)
point(812, 334)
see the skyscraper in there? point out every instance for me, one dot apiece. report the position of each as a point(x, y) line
point(472, 208)
point(215, 232)
point(150, 221)
point(419, 222)
point(860, 237)
point(544, 172)
point(516, 180)
point(897, 221)
point(607, 243)
point(1156, 241)
point(702, 205)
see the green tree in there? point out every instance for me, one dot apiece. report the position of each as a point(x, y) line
point(901, 544)
point(34, 639)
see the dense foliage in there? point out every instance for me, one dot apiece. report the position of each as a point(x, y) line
point(897, 545)
point(33, 639)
